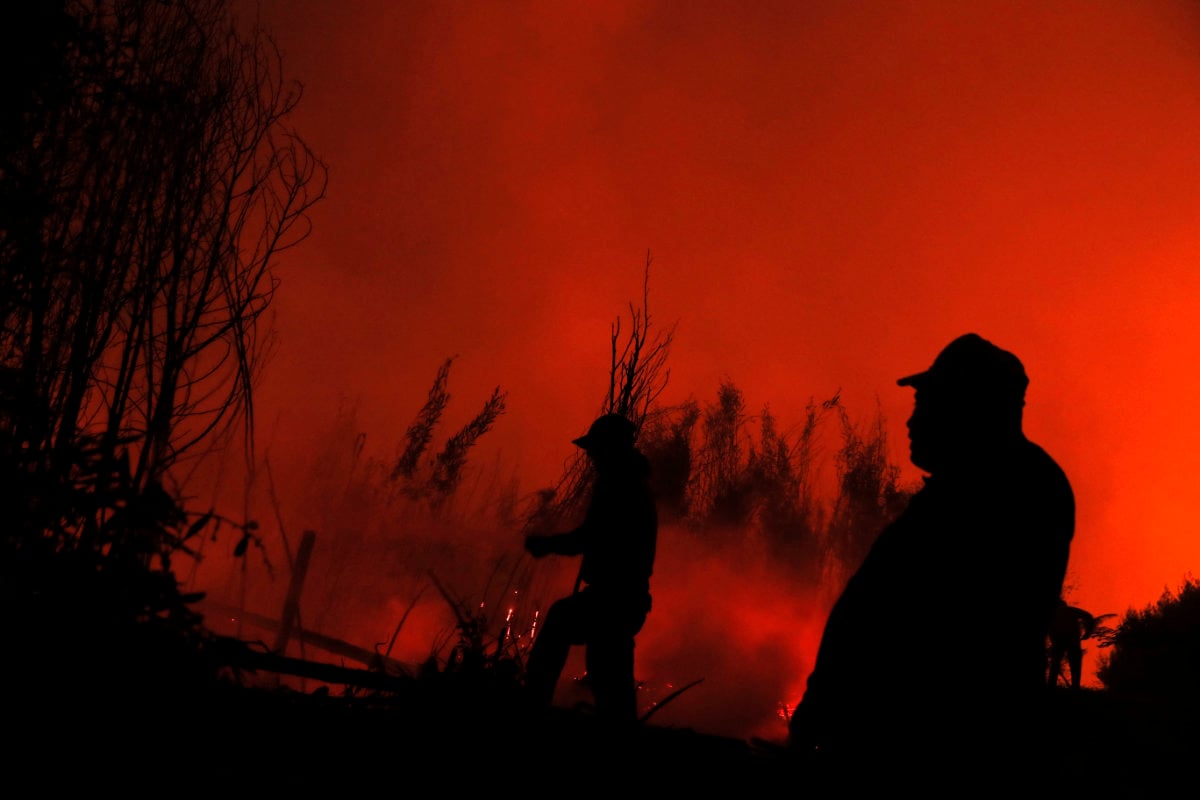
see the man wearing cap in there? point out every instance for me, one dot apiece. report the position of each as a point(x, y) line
point(935, 650)
point(617, 541)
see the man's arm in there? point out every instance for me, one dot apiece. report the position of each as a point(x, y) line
point(1087, 622)
point(570, 543)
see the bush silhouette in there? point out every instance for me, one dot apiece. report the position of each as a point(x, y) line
point(1155, 651)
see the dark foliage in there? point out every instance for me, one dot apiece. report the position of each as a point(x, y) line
point(420, 430)
point(88, 593)
point(450, 461)
point(666, 440)
point(435, 480)
point(1155, 651)
point(728, 475)
point(722, 494)
point(148, 180)
point(869, 495)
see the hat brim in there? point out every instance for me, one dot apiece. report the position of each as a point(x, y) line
point(913, 380)
point(582, 441)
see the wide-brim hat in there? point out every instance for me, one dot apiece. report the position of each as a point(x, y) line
point(609, 432)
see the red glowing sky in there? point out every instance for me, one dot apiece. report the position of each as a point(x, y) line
point(830, 191)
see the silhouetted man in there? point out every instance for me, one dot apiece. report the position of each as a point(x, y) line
point(617, 541)
point(934, 656)
point(1070, 627)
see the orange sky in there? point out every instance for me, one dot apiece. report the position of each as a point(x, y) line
point(831, 192)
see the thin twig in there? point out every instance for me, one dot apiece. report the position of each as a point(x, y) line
point(658, 706)
point(387, 653)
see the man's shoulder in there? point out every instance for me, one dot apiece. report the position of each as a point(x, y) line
point(1037, 457)
point(1040, 475)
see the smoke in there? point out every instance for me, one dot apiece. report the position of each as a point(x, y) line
point(393, 575)
point(832, 192)
point(730, 616)
point(751, 549)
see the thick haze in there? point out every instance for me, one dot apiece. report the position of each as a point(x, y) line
point(830, 192)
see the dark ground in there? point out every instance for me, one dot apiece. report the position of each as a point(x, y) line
point(439, 737)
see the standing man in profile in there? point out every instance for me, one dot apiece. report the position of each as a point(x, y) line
point(934, 654)
point(1070, 627)
point(617, 541)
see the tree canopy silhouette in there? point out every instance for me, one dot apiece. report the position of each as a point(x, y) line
point(1155, 651)
point(149, 181)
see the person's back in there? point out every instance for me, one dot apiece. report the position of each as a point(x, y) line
point(941, 630)
point(1022, 513)
point(621, 560)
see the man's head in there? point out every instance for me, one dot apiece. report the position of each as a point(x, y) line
point(609, 435)
point(970, 398)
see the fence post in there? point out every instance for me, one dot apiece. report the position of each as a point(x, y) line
point(290, 618)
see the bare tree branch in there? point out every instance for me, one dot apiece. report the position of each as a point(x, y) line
point(637, 376)
point(163, 182)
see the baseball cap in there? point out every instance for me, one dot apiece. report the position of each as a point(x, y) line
point(973, 365)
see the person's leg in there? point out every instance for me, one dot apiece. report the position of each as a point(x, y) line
point(1056, 660)
point(610, 657)
point(548, 657)
point(610, 670)
point(1075, 655)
